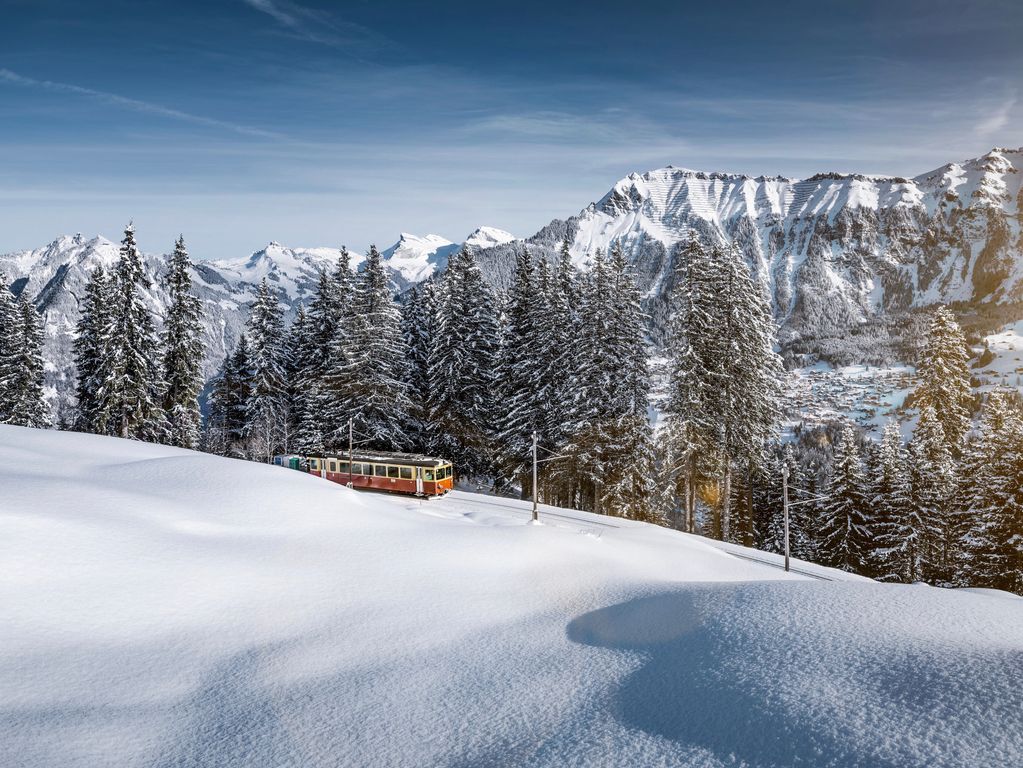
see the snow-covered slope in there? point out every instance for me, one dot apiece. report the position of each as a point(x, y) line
point(162, 607)
point(414, 259)
point(832, 249)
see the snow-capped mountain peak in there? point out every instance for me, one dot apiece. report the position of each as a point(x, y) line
point(488, 237)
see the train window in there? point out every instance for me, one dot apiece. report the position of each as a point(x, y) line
point(392, 472)
point(314, 463)
point(428, 475)
point(332, 467)
point(406, 473)
point(380, 470)
point(445, 472)
point(342, 466)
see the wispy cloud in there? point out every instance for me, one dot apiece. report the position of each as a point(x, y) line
point(317, 26)
point(136, 105)
point(999, 116)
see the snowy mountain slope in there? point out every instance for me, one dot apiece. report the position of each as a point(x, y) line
point(55, 277)
point(166, 607)
point(414, 259)
point(831, 250)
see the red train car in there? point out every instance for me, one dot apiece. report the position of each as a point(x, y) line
point(408, 473)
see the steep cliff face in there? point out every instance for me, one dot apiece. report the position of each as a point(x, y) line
point(834, 249)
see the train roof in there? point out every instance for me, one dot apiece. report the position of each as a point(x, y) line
point(386, 457)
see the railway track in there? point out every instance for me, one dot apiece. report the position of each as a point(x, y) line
point(528, 513)
point(779, 566)
point(593, 523)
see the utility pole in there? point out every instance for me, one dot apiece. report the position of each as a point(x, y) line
point(351, 482)
point(536, 515)
point(785, 506)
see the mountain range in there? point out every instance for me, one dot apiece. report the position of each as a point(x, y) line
point(831, 251)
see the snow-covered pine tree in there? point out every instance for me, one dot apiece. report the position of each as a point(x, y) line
point(844, 537)
point(129, 398)
point(23, 393)
point(9, 349)
point(726, 377)
point(892, 538)
point(752, 373)
point(628, 489)
point(370, 385)
point(520, 372)
point(944, 378)
point(266, 409)
point(933, 550)
point(91, 345)
point(461, 370)
point(324, 409)
point(303, 367)
point(992, 551)
point(419, 324)
point(183, 351)
point(690, 431)
point(585, 465)
point(225, 424)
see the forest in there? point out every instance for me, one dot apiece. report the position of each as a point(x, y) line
point(457, 369)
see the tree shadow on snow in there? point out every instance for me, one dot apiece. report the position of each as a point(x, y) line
point(684, 691)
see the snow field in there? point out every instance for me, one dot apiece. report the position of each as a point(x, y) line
point(162, 607)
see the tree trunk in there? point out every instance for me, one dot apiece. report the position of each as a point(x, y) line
point(726, 502)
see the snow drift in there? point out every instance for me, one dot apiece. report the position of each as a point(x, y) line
point(162, 607)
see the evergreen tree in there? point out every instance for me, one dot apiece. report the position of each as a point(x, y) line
point(371, 380)
point(521, 372)
point(628, 490)
point(266, 409)
point(461, 369)
point(323, 411)
point(183, 351)
point(303, 367)
point(992, 548)
point(24, 390)
point(225, 425)
point(892, 538)
point(726, 377)
point(129, 398)
point(944, 378)
point(10, 344)
point(419, 322)
point(932, 551)
point(91, 349)
point(844, 537)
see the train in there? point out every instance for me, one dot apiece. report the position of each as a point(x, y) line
point(411, 474)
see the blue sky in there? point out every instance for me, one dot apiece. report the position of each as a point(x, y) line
point(313, 123)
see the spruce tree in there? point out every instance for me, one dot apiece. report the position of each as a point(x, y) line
point(91, 351)
point(461, 369)
point(420, 322)
point(944, 378)
point(266, 408)
point(10, 344)
point(226, 421)
point(370, 384)
point(844, 542)
point(24, 390)
point(183, 351)
point(725, 382)
point(521, 370)
point(889, 522)
point(932, 548)
point(991, 554)
point(130, 395)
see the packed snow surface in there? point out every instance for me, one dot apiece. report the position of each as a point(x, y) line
point(162, 607)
